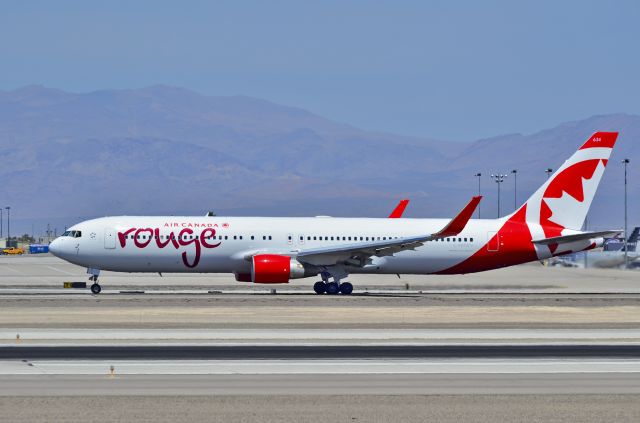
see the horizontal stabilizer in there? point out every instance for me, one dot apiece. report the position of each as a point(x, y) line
point(575, 237)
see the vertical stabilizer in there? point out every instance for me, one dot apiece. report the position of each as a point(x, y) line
point(564, 200)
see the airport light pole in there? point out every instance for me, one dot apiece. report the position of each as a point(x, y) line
point(478, 175)
point(8, 223)
point(625, 162)
point(515, 189)
point(499, 178)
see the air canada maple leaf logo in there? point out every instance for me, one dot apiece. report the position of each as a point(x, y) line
point(566, 200)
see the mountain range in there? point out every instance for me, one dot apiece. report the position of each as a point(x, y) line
point(166, 150)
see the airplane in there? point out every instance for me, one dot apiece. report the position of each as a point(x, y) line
point(612, 255)
point(274, 250)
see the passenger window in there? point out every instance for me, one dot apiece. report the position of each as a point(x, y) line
point(252, 237)
point(264, 237)
point(471, 239)
point(465, 240)
point(269, 237)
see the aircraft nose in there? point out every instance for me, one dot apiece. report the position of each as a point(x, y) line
point(55, 247)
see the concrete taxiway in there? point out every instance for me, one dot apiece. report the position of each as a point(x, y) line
point(392, 379)
point(46, 271)
point(521, 343)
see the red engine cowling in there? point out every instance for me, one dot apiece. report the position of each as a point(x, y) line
point(272, 268)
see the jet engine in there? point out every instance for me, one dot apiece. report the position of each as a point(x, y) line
point(274, 268)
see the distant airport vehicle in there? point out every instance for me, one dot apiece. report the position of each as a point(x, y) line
point(38, 248)
point(275, 250)
point(13, 251)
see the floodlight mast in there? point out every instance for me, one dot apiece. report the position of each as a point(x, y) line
point(499, 179)
point(478, 175)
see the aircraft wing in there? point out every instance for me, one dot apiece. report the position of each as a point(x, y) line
point(575, 237)
point(358, 253)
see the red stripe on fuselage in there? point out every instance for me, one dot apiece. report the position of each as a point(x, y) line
point(514, 247)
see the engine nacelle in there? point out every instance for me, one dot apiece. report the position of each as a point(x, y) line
point(273, 268)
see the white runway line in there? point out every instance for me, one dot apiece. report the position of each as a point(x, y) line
point(61, 271)
point(296, 367)
point(17, 272)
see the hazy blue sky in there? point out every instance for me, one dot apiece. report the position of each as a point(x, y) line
point(448, 69)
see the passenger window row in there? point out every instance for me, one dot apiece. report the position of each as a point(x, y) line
point(454, 239)
point(220, 237)
point(77, 234)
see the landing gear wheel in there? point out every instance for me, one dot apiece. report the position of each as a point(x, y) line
point(319, 287)
point(332, 288)
point(346, 288)
point(95, 288)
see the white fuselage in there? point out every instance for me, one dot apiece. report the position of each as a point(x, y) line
point(223, 244)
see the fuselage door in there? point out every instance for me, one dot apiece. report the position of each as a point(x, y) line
point(493, 241)
point(109, 238)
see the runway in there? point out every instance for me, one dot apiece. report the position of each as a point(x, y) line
point(286, 352)
point(542, 343)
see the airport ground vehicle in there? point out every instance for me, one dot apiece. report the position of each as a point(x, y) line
point(276, 250)
point(13, 251)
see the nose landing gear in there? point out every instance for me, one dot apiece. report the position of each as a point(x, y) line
point(95, 287)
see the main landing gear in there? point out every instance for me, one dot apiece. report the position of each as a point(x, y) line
point(332, 288)
point(95, 287)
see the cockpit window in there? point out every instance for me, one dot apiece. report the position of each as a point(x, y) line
point(66, 233)
point(73, 234)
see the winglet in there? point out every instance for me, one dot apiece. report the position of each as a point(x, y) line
point(399, 210)
point(457, 224)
